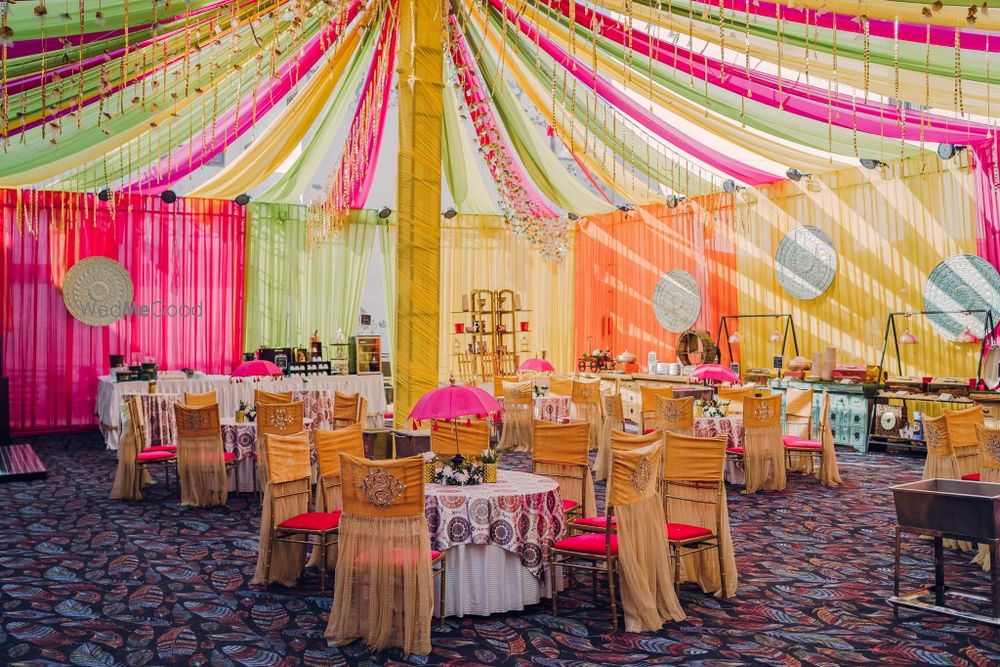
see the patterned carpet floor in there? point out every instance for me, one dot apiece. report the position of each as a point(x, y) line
point(88, 581)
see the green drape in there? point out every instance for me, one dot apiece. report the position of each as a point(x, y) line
point(460, 162)
point(292, 288)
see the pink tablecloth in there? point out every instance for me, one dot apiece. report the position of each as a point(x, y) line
point(711, 427)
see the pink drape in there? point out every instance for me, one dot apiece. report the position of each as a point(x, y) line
point(987, 211)
point(188, 253)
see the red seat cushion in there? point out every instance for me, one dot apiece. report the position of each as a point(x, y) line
point(972, 477)
point(435, 554)
point(681, 532)
point(594, 521)
point(588, 543)
point(805, 444)
point(734, 450)
point(569, 504)
point(148, 457)
point(790, 440)
point(312, 521)
point(162, 448)
point(648, 431)
point(388, 414)
point(228, 456)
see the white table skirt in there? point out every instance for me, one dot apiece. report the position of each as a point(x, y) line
point(110, 394)
point(484, 579)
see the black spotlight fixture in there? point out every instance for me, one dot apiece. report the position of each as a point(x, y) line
point(730, 186)
point(242, 199)
point(795, 175)
point(674, 200)
point(868, 163)
point(384, 212)
point(168, 196)
point(948, 151)
point(448, 214)
point(104, 195)
point(626, 207)
point(572, 216)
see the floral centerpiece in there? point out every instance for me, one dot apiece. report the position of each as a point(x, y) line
point(489, 458)
point(455, 471)
point(708, 407)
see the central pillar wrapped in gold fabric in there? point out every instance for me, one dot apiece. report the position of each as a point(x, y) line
point(418, 260)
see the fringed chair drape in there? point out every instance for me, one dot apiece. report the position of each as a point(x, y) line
point(764, 450)
point(799, 422)
point(129, 477)
point(613, 421)
point(472, 437)
point(383, 591)
point(286, 494)
point(588, 407)
point(274, 420)
point(518, 415)
point(989, 445)
point(200, 400)
point(694, 494)
point(648, 596)
point(329, 494)
point(829, 471)
point(674, 414)
point(962, 434)
point(349, 409)
point(201, 466)
point(560, 451)
point(647, 407)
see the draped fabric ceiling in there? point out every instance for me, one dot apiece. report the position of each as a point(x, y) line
point(692, 111)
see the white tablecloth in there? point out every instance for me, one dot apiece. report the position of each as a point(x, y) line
point(484, 579)
point(231, 391)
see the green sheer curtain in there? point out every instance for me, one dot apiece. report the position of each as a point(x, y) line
point(294, 288)
point(460, 162)
point(387, 246)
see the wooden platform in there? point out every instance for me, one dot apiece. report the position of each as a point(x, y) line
point(19, 463)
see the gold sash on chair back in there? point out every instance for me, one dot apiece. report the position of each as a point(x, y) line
point(674, 414)
point(499, 381)
point(201, 468)
point(736, 396)
point(349, 408)
point(561, 386)
point(286, 494)
point(962, 434)
point(649, 395)
point(560, 451)
point(764, 450)
point(130, 478)
point(383, 590)
point(329, 446)
point(275, 419)
point(648, 596)
point(589, 408)
point(626, 442)
point(614, 420)
point(518, 414)
point(472, 438)
point(693, 477)
point(262, 396)
point(200, 400)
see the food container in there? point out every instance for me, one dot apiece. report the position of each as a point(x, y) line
point(662, 368)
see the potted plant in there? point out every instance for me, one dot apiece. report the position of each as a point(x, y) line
point(241, 411)
point(490, 457)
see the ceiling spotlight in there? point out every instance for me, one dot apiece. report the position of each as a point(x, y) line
point(730, 186)
point(948, 151)
point(868, 163)
point(794, 174)
point(572, 216)
point(242, 199)
point(626, 207)
point(674, 200)
point(384, 212)
point(104, 195)
point(168, 196)
point(448, 214)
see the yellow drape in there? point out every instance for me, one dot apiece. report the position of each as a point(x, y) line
point(481, 252)
point(890, 231)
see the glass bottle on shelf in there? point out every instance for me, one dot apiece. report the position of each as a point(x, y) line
point(524, 342)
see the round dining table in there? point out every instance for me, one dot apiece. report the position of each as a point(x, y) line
point(497, 538)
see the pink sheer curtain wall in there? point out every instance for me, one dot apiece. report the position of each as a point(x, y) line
point(186, 256)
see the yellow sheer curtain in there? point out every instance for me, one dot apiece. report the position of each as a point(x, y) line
point(482, 252)
point(890, 230)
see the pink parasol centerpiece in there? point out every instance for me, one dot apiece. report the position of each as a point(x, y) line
point(537, 365)
point(452, 402)
point(715, 373)
point(256, 368)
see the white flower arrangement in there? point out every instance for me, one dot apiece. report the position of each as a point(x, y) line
point(490, 455)
point(464, 473)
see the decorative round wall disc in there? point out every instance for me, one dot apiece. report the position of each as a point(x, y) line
point(962, 282)
point(805, 262)
point(677, 301)
point(97, 291)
